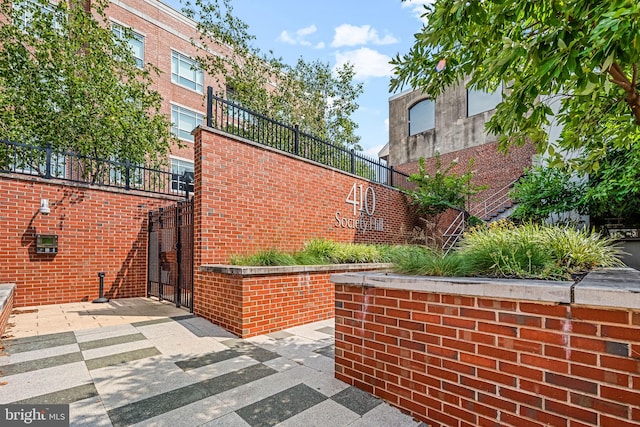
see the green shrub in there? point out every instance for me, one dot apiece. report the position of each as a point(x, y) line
point(423, 261)
point(318, 249)
point(578, 251)
point(268, 257)
point(535, 251)
point(504, 250)
point(346, 253)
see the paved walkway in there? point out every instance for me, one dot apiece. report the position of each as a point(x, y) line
point(140, 362)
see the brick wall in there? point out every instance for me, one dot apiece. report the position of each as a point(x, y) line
point(455, 360)
point(6, 306)
point(252, 198)
point(98, 230)
point(251, 301)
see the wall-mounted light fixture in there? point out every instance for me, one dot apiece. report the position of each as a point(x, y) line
point(44, 207)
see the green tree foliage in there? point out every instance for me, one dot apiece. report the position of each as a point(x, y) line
point(442, 190)
point(544, 192)
point(67, 81)
point(579, 57)
point(309, 94)
point(614, 190)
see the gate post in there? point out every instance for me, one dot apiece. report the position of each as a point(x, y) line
point(177, 290)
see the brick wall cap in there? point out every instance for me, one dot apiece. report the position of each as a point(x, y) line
point(6, 289)
point(292, 269)
point(610, 287)
point(532, 290)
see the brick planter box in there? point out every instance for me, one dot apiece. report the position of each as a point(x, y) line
point(480, 352)
point(251, 301)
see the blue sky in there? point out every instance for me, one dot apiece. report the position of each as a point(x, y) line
point(367, 33)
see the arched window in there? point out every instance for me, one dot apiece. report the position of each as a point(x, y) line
point(422, 116)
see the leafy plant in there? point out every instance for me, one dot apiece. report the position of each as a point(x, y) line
point(580, 57)
point(270, 257)
point(543, 192)
point(507, 251)
point(578, 251)
point(442, 190)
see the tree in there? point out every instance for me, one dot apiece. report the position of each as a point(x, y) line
point(580, 57)
point(614, 190)
point(544, 192)
point(67, 81)
point(309, 94)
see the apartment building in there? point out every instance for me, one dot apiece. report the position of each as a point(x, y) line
point(162, 37)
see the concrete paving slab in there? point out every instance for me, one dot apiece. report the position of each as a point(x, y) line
point(43, 381)
point(326, 413)
point(229, 420)
point(38, 354)
point(88, 413)
point(138, 380)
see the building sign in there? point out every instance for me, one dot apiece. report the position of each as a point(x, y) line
point(360, 215)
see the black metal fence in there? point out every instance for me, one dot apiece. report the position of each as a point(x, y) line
point(45, 162)
point(237, 120)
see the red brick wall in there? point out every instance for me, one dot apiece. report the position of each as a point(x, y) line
point(251, 198)
point(256, 304)
point(98, 230)
point(6, 312)
point(472, 361)
point(491, 168)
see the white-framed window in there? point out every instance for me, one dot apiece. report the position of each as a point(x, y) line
point(135, 41)
point(185, 72)
point(479, 101)
point(181, 175)
point(183, 121)
point(422, 116)
point(28, 8)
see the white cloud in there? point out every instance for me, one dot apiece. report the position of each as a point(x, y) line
point(299, 36)
point(417, 7)
point(386, 124)
point(366, 62)
point(350, 35)
point(373, 151)
point(306, 31)
point(286, 37)
point(319, 46)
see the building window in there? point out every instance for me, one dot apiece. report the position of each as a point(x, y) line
point(185, 72)
point(184, 121)
point(422, 116)
point(479, 101)
point(181, 175)
point(135, 40)
point(29, 9)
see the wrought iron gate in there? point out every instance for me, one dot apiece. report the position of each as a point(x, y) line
point(170, 270)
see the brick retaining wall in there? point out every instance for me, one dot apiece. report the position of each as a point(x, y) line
point(251, 301)
point(452, 359)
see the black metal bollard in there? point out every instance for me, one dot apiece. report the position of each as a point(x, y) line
point(101, 298)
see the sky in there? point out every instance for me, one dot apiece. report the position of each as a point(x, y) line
point(367, 33)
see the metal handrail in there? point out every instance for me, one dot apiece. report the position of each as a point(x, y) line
point(492, 203)
point(453, 232)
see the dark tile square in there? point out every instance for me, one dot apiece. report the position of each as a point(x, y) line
point(356, 400)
